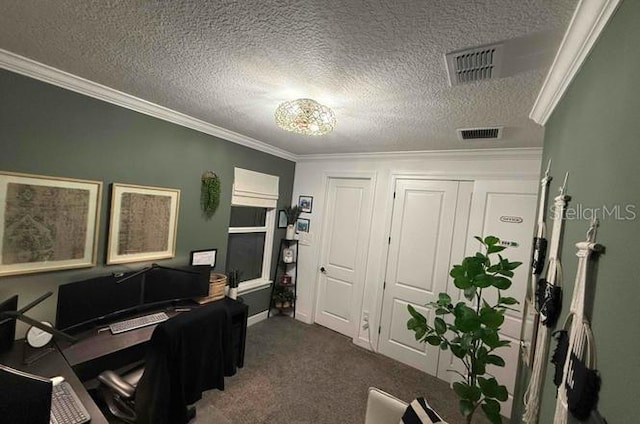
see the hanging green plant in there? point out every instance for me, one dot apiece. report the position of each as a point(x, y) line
point(209, 194)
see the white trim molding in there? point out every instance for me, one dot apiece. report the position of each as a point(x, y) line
point(31, 68)
point(589, 19)
point(254, 319)
point(456, 154)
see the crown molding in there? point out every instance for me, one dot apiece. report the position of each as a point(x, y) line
point(589, 19)
point(31, 68)
point(458, 154)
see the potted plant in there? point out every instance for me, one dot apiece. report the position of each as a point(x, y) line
point(292, 213)
point(279, 296)
point(209, 193)
point(289, 298)
point(472, 329)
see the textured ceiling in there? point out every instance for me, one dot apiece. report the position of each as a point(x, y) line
point(379, 64)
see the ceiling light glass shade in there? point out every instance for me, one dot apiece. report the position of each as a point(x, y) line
point(305, 116)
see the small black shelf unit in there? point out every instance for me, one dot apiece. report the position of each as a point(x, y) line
point(280, 287)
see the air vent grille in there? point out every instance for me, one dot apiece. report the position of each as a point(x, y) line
point(476, 64)
point(493, 133)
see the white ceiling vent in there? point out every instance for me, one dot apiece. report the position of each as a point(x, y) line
point(475, 64)
point(489, 133)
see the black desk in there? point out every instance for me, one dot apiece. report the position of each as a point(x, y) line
point(97, 350)
point(51, 365)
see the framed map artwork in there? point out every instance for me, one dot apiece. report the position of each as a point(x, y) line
point(47, 223)
point(144, 222)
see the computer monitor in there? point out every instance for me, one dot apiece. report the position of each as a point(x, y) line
point(90, 300)
point(24, 398)
point(165, 285)
point(8, 324)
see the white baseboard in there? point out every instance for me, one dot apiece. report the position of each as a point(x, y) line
point(254, 319)
point(304, 317)
point(364, 343)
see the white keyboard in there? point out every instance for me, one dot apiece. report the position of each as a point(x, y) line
point(132, 324)
point(66, 408)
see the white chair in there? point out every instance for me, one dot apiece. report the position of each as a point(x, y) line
point(382, 408)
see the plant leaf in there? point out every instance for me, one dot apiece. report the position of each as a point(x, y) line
point(489, 386)
point(457, 271)
point(490, 338)
point(501, 283)
point(491, 317)
point(467, 321)
point(491, 240)
point(440, 325)
point(433, 340)
point(462, 283)
point(491, 410)
point(495, 360)
point(444, 299)
point(512, 265)
point(501, 393)
point(484, 280)
point(505, 272)
point(508, 301)
point(458, 351)
point(495, 249)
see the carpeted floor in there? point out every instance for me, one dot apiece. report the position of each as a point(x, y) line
point(297, 373)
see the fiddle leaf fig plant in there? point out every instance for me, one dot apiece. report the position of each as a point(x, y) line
point(472, 329)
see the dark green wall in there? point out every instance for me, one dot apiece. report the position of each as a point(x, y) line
point(47, 130)
point(594, 134)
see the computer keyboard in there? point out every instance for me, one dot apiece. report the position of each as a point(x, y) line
point(132, 324)
point(66, 408)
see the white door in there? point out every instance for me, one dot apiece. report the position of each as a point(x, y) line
point(417, 266)
point(345, 242)
point(505, 209)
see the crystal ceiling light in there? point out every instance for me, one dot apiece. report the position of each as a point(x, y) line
point(305, 116)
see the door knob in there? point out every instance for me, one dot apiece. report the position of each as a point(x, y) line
point(322, 270)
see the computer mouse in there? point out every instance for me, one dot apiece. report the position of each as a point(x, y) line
point(57, 380)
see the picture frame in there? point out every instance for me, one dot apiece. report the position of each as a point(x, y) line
point(204, 257)
point(282, 219)
point(302, 225)
point(143, 223)
point(305, 203)
point(47, 223)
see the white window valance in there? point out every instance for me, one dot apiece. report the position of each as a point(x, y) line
point(256, 189)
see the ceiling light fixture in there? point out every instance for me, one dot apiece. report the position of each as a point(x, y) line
point(305, 116)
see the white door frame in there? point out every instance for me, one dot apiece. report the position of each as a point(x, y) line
point(327, 175)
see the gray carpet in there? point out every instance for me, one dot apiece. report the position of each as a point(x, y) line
point(298, 373)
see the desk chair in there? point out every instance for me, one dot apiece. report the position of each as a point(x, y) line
point(188, 354)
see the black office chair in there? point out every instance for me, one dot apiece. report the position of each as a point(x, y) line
point(188, 354)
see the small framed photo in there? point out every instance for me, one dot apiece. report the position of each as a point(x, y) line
point(204, 257)
point(303, 225)
point(305, 203)
point(282, 219)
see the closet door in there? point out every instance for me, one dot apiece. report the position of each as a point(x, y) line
point(422, 229)
point(505, 209)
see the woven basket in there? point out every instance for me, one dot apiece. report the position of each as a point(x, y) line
point(216, 288)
